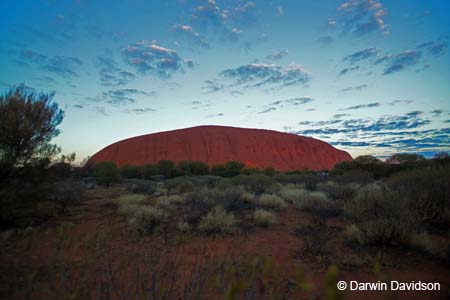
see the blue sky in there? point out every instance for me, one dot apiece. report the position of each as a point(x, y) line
point(368, 76)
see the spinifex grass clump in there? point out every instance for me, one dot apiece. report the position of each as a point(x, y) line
point(264, 218)
point(217, 222)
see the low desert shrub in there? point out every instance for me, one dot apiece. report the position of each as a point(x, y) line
point(126, 209)
point(292, 193)
point(427, 192)
point(140, 186)
point(183, 226)
point(198, 204)
point(318, 203)
point(131, 199)
point(146, 218)
point(424, 243)
point(264, 218)
point(129, 204)
point(381, 216)
point(129, 171)
point(338, 191)
point(256, 183)
point(171, 199)
point(271, 201)
point(106, 173)
point(217, 222)
point(233, 198)
point(66, 193)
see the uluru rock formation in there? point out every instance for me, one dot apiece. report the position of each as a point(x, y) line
point(213, 145)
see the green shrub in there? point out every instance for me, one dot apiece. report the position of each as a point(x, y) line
point(166, 168)
point(149, 170)
point(381, 215)
point(106, 173)
point(129, 171)
point(264, 218)
point(256, 183)
point(188, 168)
point(198, 204)
point(354, 234)
point(128, 204)
point(318, 203)
point(217, 222)
point(233, 198)
point(338, 191)
point(184, 226)
point(423, 242)
point(271, 201)
point(427, 193)
point(168, 202)
point(66, 193)
point(181, 185)
point(132, 199)
point(146, 218)
point(128, 209)
point(229, 169)
point(292, 193)
point(140, 186)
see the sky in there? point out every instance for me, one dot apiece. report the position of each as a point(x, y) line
point(368, 76)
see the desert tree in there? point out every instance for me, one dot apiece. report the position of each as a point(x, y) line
point(28, 122)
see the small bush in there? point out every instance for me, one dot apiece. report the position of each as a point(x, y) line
point(66, 193)
point(381, 216)
point(271, 201)
point(229, 169)
point(140, 186)
point(106, 173)
point(423, 242)
point(292, 193)
point(130, 171)
point(338, 191)
point(217, 222)
point(198, 204)
point(168, 202)
point(264, 218)
point(256, 183)
point(129, 204)
point(319, 203)
point(183, 226)
point(127, 210)
point(146, 218)
point(233, 198)
point(427, 192)
point(131, 199)
point(354, 234)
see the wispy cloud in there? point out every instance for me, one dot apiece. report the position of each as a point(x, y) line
point(119, 96)
point(401, 61)
point(345, 71)
point(277, 55)
point(110, 73)
point(292, 102)
point(360, 17)
point(360, 106)
point(226, 21)
point(186, 32)
point(138, 111)
point(361, 55)
point(263, 74)
point(147, 57)
point(355, 88)
point(64, 66)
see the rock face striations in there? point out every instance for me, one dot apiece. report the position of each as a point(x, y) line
point(217, 144)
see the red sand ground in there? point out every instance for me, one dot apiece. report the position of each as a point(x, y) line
point(217, 144)
point(279, 242)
